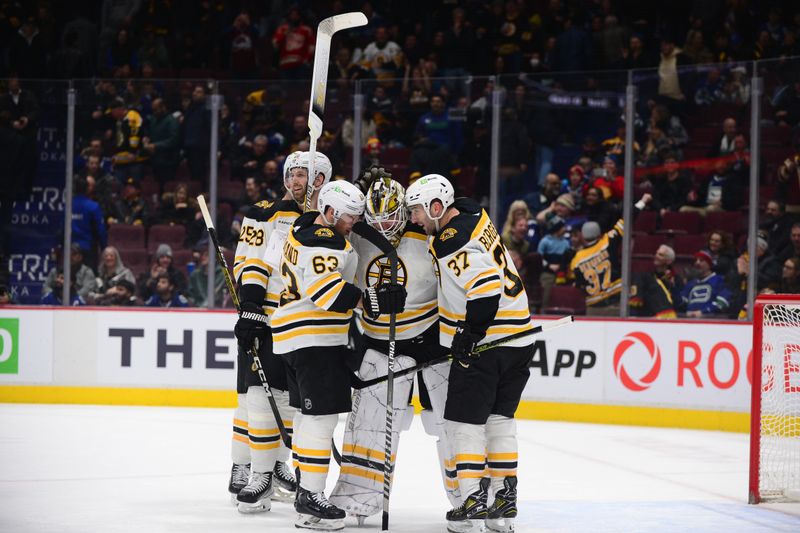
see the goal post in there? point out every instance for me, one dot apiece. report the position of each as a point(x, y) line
point(775, 400)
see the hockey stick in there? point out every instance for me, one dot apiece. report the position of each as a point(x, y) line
point(319, 83)
point(253, 350)
point(374, 236)
point(359, 384)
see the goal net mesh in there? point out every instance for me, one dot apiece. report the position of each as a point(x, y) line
point(779, 461)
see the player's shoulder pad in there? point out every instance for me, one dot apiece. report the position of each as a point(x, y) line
point(285, 207)
point(314, 235)
point(414, 231)
point(259, 211)
point(455, 235)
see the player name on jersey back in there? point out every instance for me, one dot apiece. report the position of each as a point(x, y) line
point(472, 263)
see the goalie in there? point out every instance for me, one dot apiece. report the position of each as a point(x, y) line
point(359, 489)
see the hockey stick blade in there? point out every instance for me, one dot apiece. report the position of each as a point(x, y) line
point(362, 384)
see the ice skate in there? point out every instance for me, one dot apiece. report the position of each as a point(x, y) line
point(284, 484)
point(316, 512)
point(255, 497)
point(470, 515)
point(239, 476)
point(501, 514)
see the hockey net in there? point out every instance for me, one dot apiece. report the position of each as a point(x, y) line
point(775, 410)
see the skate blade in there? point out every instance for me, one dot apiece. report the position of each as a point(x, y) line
point(466, 526)
point(501, 525)
point(305, 521)
point(282, 495)
point(261, 506)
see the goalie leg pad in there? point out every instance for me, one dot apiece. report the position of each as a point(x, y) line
point(312, 449)
point(469, 447)
point(501, 444)
point(240, 444)
point(433, 421)
point(359, 490)
point(264, 435)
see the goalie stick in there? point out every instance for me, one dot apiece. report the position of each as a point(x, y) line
point(360, 384)
point(372, 235)
point(253, 350)
point(319, 83)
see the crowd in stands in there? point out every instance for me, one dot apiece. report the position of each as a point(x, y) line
point(143, 125)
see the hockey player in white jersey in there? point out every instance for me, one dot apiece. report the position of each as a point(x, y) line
point(481, 299)
point(260, 473)
point(359, 489)
point(310, 331)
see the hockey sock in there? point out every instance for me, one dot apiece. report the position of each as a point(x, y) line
point(287, 416)
point(501, 436)
point(264, 435)
point(312, 449)
point(469, 446)
point(240, 444)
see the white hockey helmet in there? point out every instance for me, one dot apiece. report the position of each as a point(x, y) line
point(385, 209)
point(343, 197)
point(429, 188)
point(300, 159)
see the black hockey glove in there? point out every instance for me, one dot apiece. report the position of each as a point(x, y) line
point(252, 325)
point(464, 342)
point(385, 299)
point(370, 175)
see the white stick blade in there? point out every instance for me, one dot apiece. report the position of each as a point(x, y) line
point(204, 209)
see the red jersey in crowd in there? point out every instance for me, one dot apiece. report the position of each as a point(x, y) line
point(295, 45)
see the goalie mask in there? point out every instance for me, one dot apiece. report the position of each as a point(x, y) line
point(385, 209)
point(343, 197)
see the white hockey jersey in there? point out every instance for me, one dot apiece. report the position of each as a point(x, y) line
point(415, 272)
point(317, 267)
point(472, 263)
point(263, 224)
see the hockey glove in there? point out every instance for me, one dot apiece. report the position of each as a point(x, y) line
point(370, 175)
point(252, 325)
point(464, 342)
point(385, 298)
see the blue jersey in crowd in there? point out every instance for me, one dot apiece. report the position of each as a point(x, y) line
point(177, 300)
point(87, 223)
point(709, 295)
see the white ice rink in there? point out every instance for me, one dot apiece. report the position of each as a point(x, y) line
point(122, 469)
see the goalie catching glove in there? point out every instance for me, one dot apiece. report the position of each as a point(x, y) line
point(252, 325)
point(465, 341)
point(386, 298)
point(370, 176)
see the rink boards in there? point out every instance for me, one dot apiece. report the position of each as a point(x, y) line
point(692, 374)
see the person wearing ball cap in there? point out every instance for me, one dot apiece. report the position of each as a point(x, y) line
point(707, 294)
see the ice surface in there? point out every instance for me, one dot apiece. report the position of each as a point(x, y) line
point(123, 469)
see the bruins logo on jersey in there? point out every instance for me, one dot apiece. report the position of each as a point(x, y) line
point(380, 271)
point(324, 232)
point(448, 233)
point(264, 204)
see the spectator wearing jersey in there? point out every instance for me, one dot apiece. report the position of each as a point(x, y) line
point(654, 293)
point(707, 294)
point(608, 180)
point(294, 42)
point(88, 227)
point(55, 296)
point(722, 192)
point(165, 294)
point(129, 154)
point(165, 142)
point(438, 128)
point(161, 265)
point(382, 57)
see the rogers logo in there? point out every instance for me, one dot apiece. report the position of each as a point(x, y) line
point(643, 383)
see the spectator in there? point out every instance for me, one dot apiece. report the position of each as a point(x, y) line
point(711, 90)
point(83, 279)
point(724, 145)
point(793, 248)
point(153, 52)
point(650, 294)
point(384, 58)
point(271, 178)
point(616, 145)
point(121, 294)
point(295, 44)
point(128, 150)
point(55, 296)
point(254, 191)
point(437, 126)
point(635, 55)
point(70, 61)
point(253, 157)
point(165, 294)
point(672, 188)
point(459, 42)
point(121, 57)
point(674, 132)
point(519, 208)
point(598, 209)
point(555, 250)
point(27, 50)
point(102, 187)
point(663, 263)
point(695, 48)
point(722, 192)
point(162, 265)
point(131, 207)
point(573, 48)
point(768, 275)
point(720, 247)
point(575, 185)
point(165, 142)
point(21, 109)
point(669, 84)
point(517, 237)
point(242, 37)
point(787, 104)
point(736, 90)
point(707, 294)
point(88, 227)
point(777, 224)
point(607, 180)
point(655, 148)
point(197, 134)
point(563, 207)
point(178, 208)
point(198, 280)
point(110, 271)
point(551, 190)
point(790, 277)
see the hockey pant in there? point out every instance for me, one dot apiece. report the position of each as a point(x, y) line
point(478, 446)
point(256, 438)
point(359, 489)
